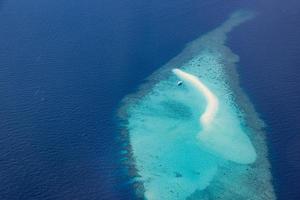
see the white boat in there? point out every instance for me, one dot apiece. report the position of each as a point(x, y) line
point(179, 83)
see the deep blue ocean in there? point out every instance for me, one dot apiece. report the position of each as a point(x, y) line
point(66, 65)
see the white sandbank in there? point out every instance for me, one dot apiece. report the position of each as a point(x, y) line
point(220, 135)
point(211, 99)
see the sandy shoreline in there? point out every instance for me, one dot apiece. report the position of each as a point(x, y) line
point(229, 144)
point(211, 99)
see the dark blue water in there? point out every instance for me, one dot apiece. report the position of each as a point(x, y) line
point(269, 48)
point(65, 66)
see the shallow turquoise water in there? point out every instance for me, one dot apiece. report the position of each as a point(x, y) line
point(175, 156)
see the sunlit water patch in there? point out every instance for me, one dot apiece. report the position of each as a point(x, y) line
point(201, 139)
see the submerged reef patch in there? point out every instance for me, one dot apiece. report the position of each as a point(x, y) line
point(197, 142)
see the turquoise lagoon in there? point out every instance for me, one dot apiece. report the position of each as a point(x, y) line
point(174, 154)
